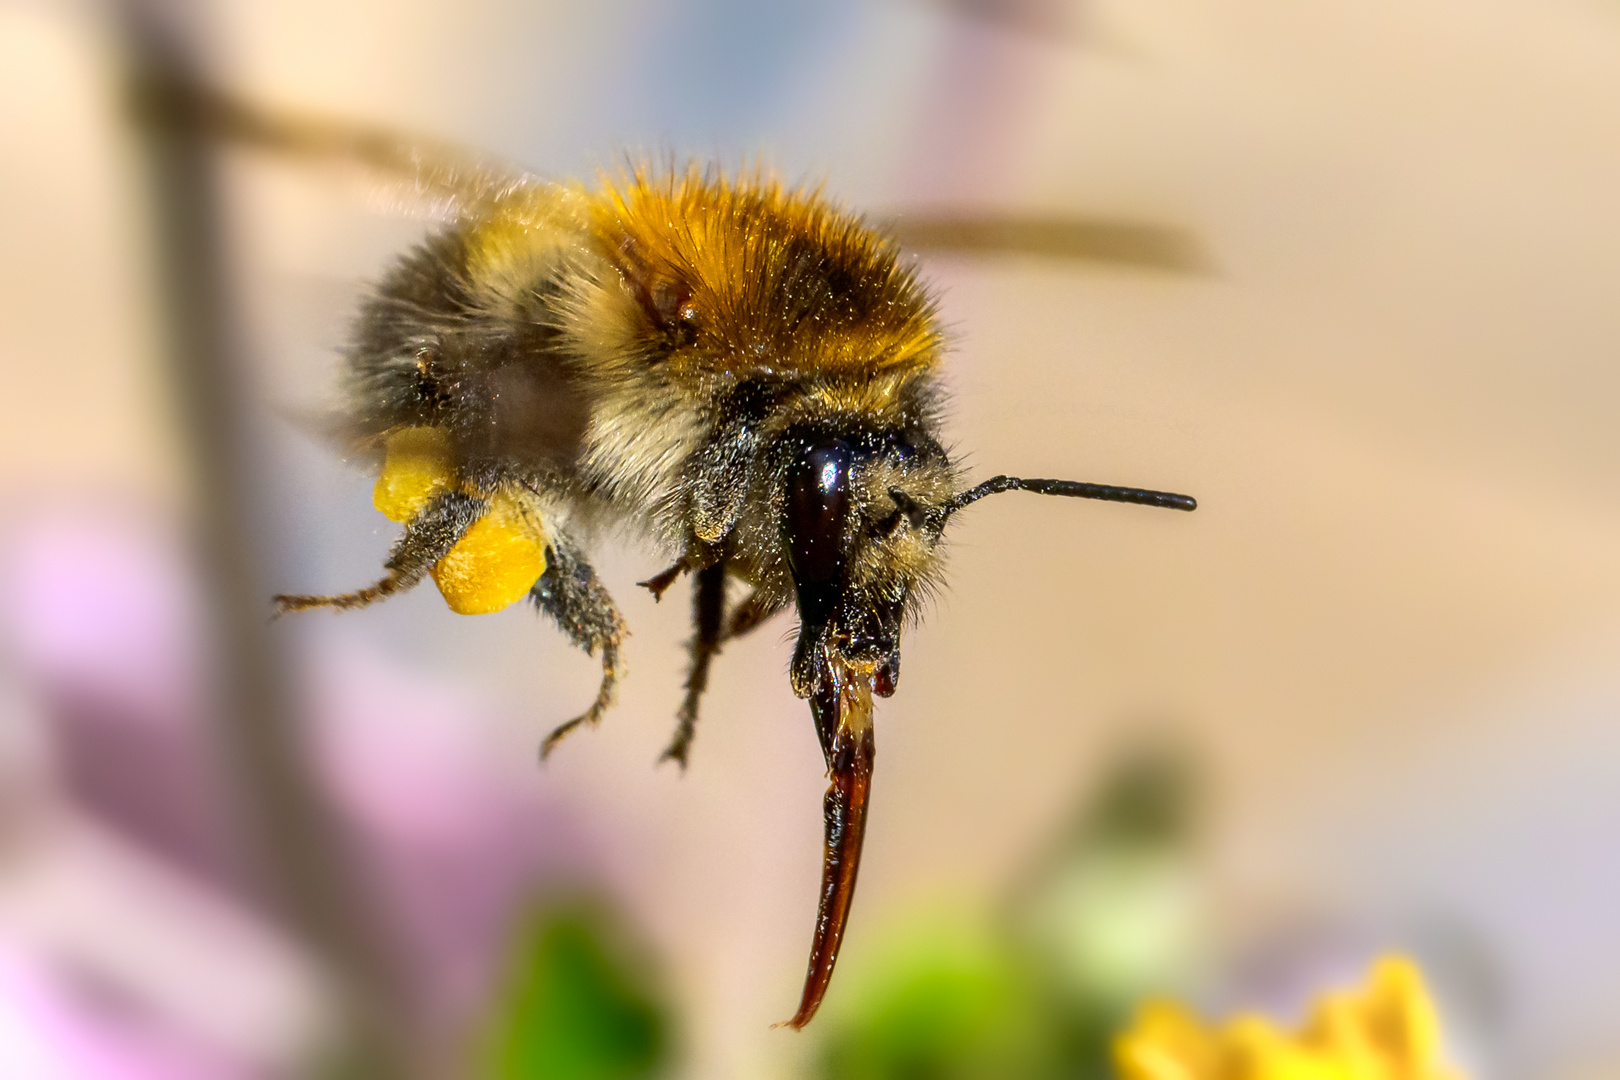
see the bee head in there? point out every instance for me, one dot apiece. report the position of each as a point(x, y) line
point(861, 518)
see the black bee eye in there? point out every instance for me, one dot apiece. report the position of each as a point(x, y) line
point(818, 500)
point(817, 506)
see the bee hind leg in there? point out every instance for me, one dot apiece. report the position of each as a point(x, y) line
point(570, 592)
point(427, 539)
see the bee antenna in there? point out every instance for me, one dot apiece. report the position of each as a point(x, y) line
point(1073, 489)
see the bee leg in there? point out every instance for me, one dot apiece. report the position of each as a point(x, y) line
point(708, 621)
point(711, 631)
point(661, 581)
point(427, 539)
point(750, 613)
point(570, 592)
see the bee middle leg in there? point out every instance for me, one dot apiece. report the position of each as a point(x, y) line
point(427, 539)
point(708, 620)
point(570, 592)
point(710, 630)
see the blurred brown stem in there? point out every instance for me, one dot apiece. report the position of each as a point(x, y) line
point(293, 829)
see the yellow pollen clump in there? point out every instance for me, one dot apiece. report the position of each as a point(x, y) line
point(502, 554)
point(416, 468)
point(496, 563)
point(1386, 1031)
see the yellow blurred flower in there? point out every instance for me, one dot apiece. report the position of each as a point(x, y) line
point(1388, 1030)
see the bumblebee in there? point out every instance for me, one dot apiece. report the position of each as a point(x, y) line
point(746, 373)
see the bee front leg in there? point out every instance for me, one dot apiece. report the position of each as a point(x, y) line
point(697, 556)
point(661, 581)
point(752, 611)
point(427, 539)
point(708, 620)
point(570, 592)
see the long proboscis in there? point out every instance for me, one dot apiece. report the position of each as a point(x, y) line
point(1073, 489)
point(850, 754)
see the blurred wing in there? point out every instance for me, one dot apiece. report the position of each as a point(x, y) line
point(1050, 20)
point(448, 181)
point(437, 178)
point(1158, 247)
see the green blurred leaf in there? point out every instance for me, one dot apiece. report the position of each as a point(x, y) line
point(578, 1004)
point(1107, 913)
point(945, 1002)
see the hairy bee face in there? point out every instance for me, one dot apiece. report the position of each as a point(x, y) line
point(860, 539)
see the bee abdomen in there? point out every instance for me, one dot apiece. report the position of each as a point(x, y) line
point(434, 348)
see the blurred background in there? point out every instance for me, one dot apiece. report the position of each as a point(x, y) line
point(1367, 697)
